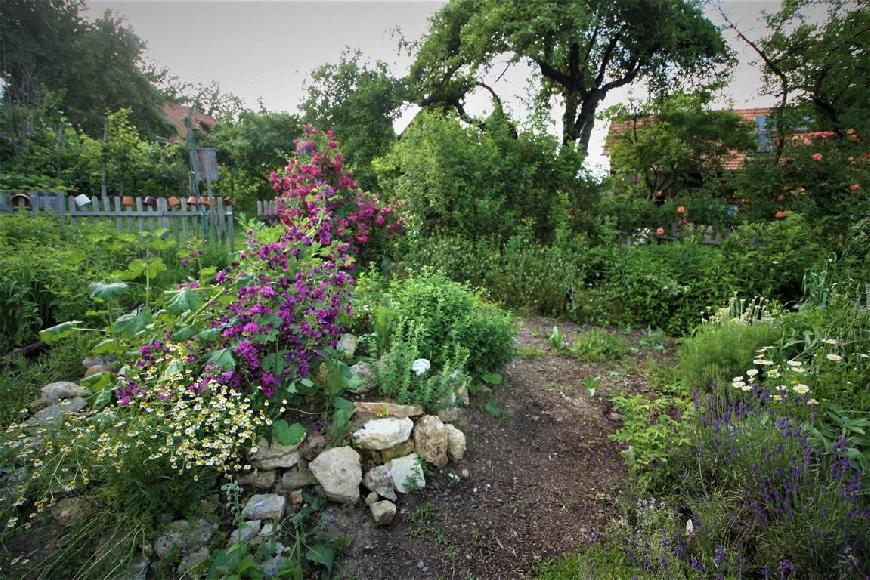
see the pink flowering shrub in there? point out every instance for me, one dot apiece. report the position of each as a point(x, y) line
point(266, 320)
point(314, 185)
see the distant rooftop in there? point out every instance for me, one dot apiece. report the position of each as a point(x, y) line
point(177, 115)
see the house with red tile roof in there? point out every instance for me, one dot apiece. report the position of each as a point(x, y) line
point(177, 116)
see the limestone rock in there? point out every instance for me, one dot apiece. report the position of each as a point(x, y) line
point(430, 440)
point(175, 535)
point(260, 479)
point(296, 498)
point(71, 510)
point(382, 434)
point(338, 471)
point(266, 530)
point(372, 498)
point(267, 506)
point(59, 391)
point(312, 446)
point(246, 531)
point(138, 569)
point(273, 455)
point(105, 360)
point(95, 369)
point(449, 415)
point(455, 443)
point(399, 450)
point(53, 413)
point(347, 344)
point(192, 560)
point(365, 375)
point(381, 409)
point(407, 473)
point(383, 512)
point(378, 480)
point(296, 478)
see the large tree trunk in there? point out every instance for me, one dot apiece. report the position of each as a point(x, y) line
point(577, 127)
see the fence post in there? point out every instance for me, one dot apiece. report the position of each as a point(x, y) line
point(162, 208)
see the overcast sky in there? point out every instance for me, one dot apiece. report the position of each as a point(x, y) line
point(266, 50)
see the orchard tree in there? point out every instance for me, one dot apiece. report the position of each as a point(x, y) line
point(817, 64)
point(675, 143)
point(93, 66)
point(582, 50)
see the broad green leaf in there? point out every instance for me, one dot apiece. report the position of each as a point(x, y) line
point(275, 362)
point(173, 369)
point(155, 266)
point(224, 359)
point(59, 331)
point(104, 397)
point(130, 324)
point(287, 434)
point(107, 290)
point(185, 332)
point(97, 381)
point(108, 346)
point(322, 554)
point(344, 410)
point(209, 334)
point(179, 301)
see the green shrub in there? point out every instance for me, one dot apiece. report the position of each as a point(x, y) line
point(449, 315)
point(598, 345)
point(718, 352)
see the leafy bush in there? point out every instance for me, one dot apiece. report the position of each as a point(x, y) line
point(598, 345)
point(717, 352)
point(449, 315)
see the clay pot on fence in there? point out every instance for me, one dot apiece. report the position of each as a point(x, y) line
point(127, 201)
point(191, 200)
point(173, 201)
point(21, 200)
point(150, 201)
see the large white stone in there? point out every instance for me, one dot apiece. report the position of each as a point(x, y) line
point(378, 480)
point(59, 391)
point(269, 506)
point(338, 471)
point(430, 440)
point(274, 455)
point(455, 443)
point(407, 473)
point(383, 512)
point(379, 434)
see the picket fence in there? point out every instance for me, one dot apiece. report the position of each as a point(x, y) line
point(208, 217)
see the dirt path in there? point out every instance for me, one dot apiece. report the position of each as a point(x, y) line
point(539, 476)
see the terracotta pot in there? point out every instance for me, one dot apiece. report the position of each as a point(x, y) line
point(228, 201)
point(150, 200)
point(127, 200)
point(20, 200)
point(173, 201)
point(203, 200)
point(191, 200)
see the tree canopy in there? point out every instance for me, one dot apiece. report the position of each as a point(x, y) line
point(93, 66)
point(581, 49)
point(360, 102)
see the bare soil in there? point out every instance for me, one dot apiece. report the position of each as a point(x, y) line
point(541, 475)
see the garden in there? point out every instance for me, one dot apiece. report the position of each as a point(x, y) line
point(455, 352)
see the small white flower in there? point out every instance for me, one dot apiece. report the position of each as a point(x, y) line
point(420, 366)
point(833, 357)
point(780, 387)
point(801, 389)
point(746, 387)
point(830, 341)
point(773, 373)
point(739, 384)
point(794, 363)
point(737, 379)
point(812, 402)
point(690, 527)
point(762, 362)
point(751, 372)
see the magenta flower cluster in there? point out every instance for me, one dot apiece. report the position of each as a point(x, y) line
point(315, 180)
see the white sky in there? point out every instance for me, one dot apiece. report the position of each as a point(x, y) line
point(266, 50)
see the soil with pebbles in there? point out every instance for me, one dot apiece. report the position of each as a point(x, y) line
point(541, 475)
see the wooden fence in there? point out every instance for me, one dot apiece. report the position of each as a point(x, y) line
point(267, 210)
point(207, 217)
